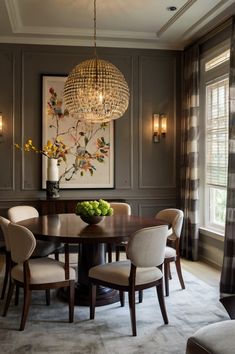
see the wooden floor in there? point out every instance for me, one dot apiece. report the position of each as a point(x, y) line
point(203, 271)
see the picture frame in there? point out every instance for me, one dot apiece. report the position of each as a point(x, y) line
point(90, 158)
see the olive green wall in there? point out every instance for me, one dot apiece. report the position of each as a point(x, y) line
point(146, 174)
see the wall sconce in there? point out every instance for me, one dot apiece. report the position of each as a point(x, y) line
point(163, 124)
point(156, 128)
point(159, 126)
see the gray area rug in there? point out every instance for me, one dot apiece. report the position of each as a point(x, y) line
point(47, 329)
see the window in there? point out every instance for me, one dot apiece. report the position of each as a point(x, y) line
point(214, 141)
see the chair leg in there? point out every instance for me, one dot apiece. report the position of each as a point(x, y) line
point(109, 250)
point(162, 302)
point(140, 296)
point(27, 300)
point(117, 253)
point(170, 276)
point(179, 272)
point(7, 274)
point(17, 293)
point(122, 298)
point(166, 277)
point(92, 301)
point(9, 296)
point(131, 295)
point(48, 297)
point(71, 301)
point(56, 256)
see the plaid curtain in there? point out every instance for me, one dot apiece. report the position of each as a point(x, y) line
point(227, 281)
point(189, 153)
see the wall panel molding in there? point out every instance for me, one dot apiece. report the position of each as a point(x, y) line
point(143, 120)
point(7, 107)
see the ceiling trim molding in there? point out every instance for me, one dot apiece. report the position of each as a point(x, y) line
point(175, 18)
point(222, 5)
point(83, 32)
point(87, 43)
point(14, 15)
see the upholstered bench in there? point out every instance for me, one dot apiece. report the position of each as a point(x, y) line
point(217, 338)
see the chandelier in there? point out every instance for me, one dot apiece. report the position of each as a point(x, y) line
point(95, 90)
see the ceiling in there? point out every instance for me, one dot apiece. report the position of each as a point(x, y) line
point(120, 23)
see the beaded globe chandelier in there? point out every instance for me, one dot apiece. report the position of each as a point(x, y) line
point(95, 90)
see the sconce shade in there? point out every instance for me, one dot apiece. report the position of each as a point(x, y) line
point(163, 124)
point(156, 128)
point(96, 91)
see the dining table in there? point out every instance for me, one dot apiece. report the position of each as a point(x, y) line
point(92, 242)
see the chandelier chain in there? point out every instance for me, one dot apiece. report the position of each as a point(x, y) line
point(95, 29)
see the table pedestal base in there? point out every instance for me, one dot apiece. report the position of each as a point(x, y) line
point(104, 296)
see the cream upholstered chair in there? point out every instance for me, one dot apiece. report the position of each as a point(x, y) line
point(118, 209)
point(43, 248)
point(142, 270)
point(4, 224)
point(174, 217)
point(37, 273)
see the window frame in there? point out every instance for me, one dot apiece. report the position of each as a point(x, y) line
point(206, 77)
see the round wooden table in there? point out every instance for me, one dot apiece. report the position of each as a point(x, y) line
point(69, 228)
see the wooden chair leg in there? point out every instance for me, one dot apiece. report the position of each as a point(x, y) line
point(71, 301)
point(92, 301)
point(166, 277)
point(117, 253)
point(56, 256)
point(7, 274)
point(162, 302)
point(131, 295)
point(48, 297)
point(27, 300)
point(109, 250)
point(170, 276)
point(179, 272)
point(140, 296)
point(122, 298)
point(17, 293)
point(9, 296)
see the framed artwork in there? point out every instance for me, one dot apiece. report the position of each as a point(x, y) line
point(89, 161)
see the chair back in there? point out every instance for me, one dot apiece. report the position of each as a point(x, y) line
point(121, 208)
point(20, 251)
point(4, 226)
point(22, 212)
point(174, 217)
point(146, 247)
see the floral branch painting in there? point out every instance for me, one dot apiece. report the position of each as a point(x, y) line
point(89, 158)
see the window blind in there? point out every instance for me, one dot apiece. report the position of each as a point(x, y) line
point(217, 132)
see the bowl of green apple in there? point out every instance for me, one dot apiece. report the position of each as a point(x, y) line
point(93, 211)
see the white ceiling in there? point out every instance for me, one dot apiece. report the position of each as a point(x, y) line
point(120, 23)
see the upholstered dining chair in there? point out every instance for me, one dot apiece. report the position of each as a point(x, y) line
point(118, 209)
point(37, 273)
point(175, 218)
point(43, 248)
point(142, 270)
point(4, 224)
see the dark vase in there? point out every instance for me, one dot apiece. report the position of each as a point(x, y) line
point(52, 189)
point(93, 219)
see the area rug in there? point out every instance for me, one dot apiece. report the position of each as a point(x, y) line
point(47, 329)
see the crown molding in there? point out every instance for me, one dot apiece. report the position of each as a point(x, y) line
point(87, 43)
point(175, 18)
point(210, 15)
